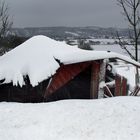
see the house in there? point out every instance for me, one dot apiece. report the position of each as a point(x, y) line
point(42, 69)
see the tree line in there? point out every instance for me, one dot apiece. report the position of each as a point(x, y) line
point(8, 40)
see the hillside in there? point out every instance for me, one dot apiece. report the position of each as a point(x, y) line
point(62, 33)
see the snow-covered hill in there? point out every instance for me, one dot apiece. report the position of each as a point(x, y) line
point(62, 33)
point(104, 119)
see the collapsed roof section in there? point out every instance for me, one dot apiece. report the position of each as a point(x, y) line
point(38, 58)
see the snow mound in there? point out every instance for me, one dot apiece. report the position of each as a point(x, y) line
point(37, 58)
point(105, 119)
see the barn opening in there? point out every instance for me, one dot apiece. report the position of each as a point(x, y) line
point(77, 88)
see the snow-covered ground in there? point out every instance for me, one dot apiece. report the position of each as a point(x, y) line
point(72, 33)
point(105, 119)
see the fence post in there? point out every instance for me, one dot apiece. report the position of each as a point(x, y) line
point(117, 85)
point(120, 86)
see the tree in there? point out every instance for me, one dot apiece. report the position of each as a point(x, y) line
point(131, 13)
point(5, 27)
point(5, 23)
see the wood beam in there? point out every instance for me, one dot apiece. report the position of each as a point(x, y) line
point(124, 87)
point(117, 85)
point(95, 70)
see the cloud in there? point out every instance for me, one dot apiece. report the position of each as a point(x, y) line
point(65, 13)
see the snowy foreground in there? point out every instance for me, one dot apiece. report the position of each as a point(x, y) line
point(105, 119)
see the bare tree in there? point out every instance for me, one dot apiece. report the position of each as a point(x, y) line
point(5, 27)
point(5, 22)
point(131, 13)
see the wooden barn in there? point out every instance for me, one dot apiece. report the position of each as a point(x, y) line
point(42, 69)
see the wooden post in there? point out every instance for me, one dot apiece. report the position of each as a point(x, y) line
point(117, 85)
point(102, 78)
point(124, 87)
point(120, 86)
point(95, 70)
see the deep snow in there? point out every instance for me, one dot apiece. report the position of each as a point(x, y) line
point(103, 119)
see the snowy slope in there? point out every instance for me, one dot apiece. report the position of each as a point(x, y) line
point(37, 58)
point(104, 119)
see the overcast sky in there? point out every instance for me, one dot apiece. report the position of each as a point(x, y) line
point(43, 13)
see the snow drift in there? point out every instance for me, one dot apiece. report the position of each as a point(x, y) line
point(104, 119)
point(37, 58)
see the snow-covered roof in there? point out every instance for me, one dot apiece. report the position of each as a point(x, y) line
point(37, 58)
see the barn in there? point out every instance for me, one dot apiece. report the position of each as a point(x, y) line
point(42, 69)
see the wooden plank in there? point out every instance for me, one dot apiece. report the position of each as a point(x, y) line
point(102, 75)
point(117, 85)
point(95, 70)
point(124, 87)
point(136, 91)
point(107, 92)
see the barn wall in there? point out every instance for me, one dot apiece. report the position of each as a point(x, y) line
point(27, 93)
point(78, 87)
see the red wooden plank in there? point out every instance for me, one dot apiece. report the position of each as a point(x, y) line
point(64, 74)
point(124, 86)
point(118, 85)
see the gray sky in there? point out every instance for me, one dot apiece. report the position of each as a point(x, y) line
point(43, 13)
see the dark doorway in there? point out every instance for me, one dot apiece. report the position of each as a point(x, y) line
point(77, 88)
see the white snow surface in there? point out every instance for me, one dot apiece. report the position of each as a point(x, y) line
point(37, 58)
point(114, 48)
point(128, 71)
point(103, 119)
point(72, 33)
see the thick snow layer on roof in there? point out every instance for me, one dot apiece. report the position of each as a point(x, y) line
point(37, 58)
point(104, 119)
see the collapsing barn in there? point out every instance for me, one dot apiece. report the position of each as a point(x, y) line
point(42, 69)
